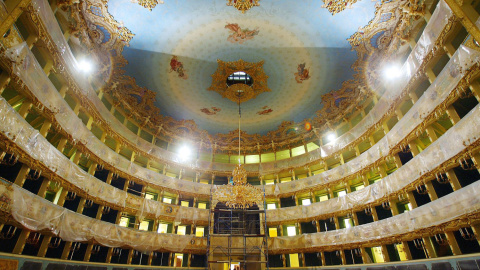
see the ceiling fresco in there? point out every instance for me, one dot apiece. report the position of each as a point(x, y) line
point(176, 47)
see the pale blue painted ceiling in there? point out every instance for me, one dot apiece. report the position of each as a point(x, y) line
point(290, 33)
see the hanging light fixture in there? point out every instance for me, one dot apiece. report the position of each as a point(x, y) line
point(238, 193)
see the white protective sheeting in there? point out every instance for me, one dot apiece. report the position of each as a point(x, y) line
point(38, 148)
point(453, 142)
point(447, 208)
point(38, 214)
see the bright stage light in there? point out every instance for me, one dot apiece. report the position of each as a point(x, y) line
point(392, 72)
point(331, 137)
point(85, 66)
point(184, 152)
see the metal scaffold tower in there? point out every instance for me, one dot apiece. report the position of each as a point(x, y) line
point(238, 238)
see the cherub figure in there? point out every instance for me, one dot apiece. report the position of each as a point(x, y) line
point(302, 74)
point(177, 66)
point(238, 35)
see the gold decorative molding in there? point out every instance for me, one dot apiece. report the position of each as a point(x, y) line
point(243, 5)
point(150, 4)
point(7, 264)
point(336, 6)
point(239, 92)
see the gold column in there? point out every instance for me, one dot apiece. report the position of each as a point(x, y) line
point(15, 8)
point(342, 256)
point(4, 80)
point(431, 191)
point(453, 115)
point(20, 244)
point(429, 247)
point(466, 15)
point(453, 243)
point(42, 251)
point(22, 175)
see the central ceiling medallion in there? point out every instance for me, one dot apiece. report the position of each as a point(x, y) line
point(243, 5)
point(239, 81)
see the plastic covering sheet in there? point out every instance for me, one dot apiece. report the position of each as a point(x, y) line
point(455, 140)
point(38, 214)
point(38, 148)
point(438, 91)
point(30, 72)
point(447, 208)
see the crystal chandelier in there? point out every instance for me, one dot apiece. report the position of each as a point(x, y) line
point(243, 5)
point(238, 193)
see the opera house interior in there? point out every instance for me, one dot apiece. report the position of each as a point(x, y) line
point(239, 134)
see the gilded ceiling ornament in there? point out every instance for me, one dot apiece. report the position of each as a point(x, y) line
point(243, 5)
point(336, 6)
point(239, 92)
point(150, 4)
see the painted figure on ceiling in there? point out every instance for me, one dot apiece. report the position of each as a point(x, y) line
point(302, 74)
point(265, 110)
point(210, 112)
point(177, 66)
point(238, 35)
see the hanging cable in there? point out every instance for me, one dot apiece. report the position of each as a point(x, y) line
point(239, 117)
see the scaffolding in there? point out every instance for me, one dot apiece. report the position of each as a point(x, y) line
point(238, 236)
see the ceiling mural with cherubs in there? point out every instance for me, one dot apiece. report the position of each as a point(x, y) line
point(162, 61)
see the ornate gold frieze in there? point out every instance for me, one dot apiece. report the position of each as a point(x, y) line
point(239, 92)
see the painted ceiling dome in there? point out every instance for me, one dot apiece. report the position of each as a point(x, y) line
point(307, 72)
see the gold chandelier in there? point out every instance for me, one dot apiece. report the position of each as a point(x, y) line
point(238, 193)
point(243, 5)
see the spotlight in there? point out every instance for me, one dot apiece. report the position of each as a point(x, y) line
point(85, 66)
point(331, 137)
point(392, 72)
point(184, 152)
